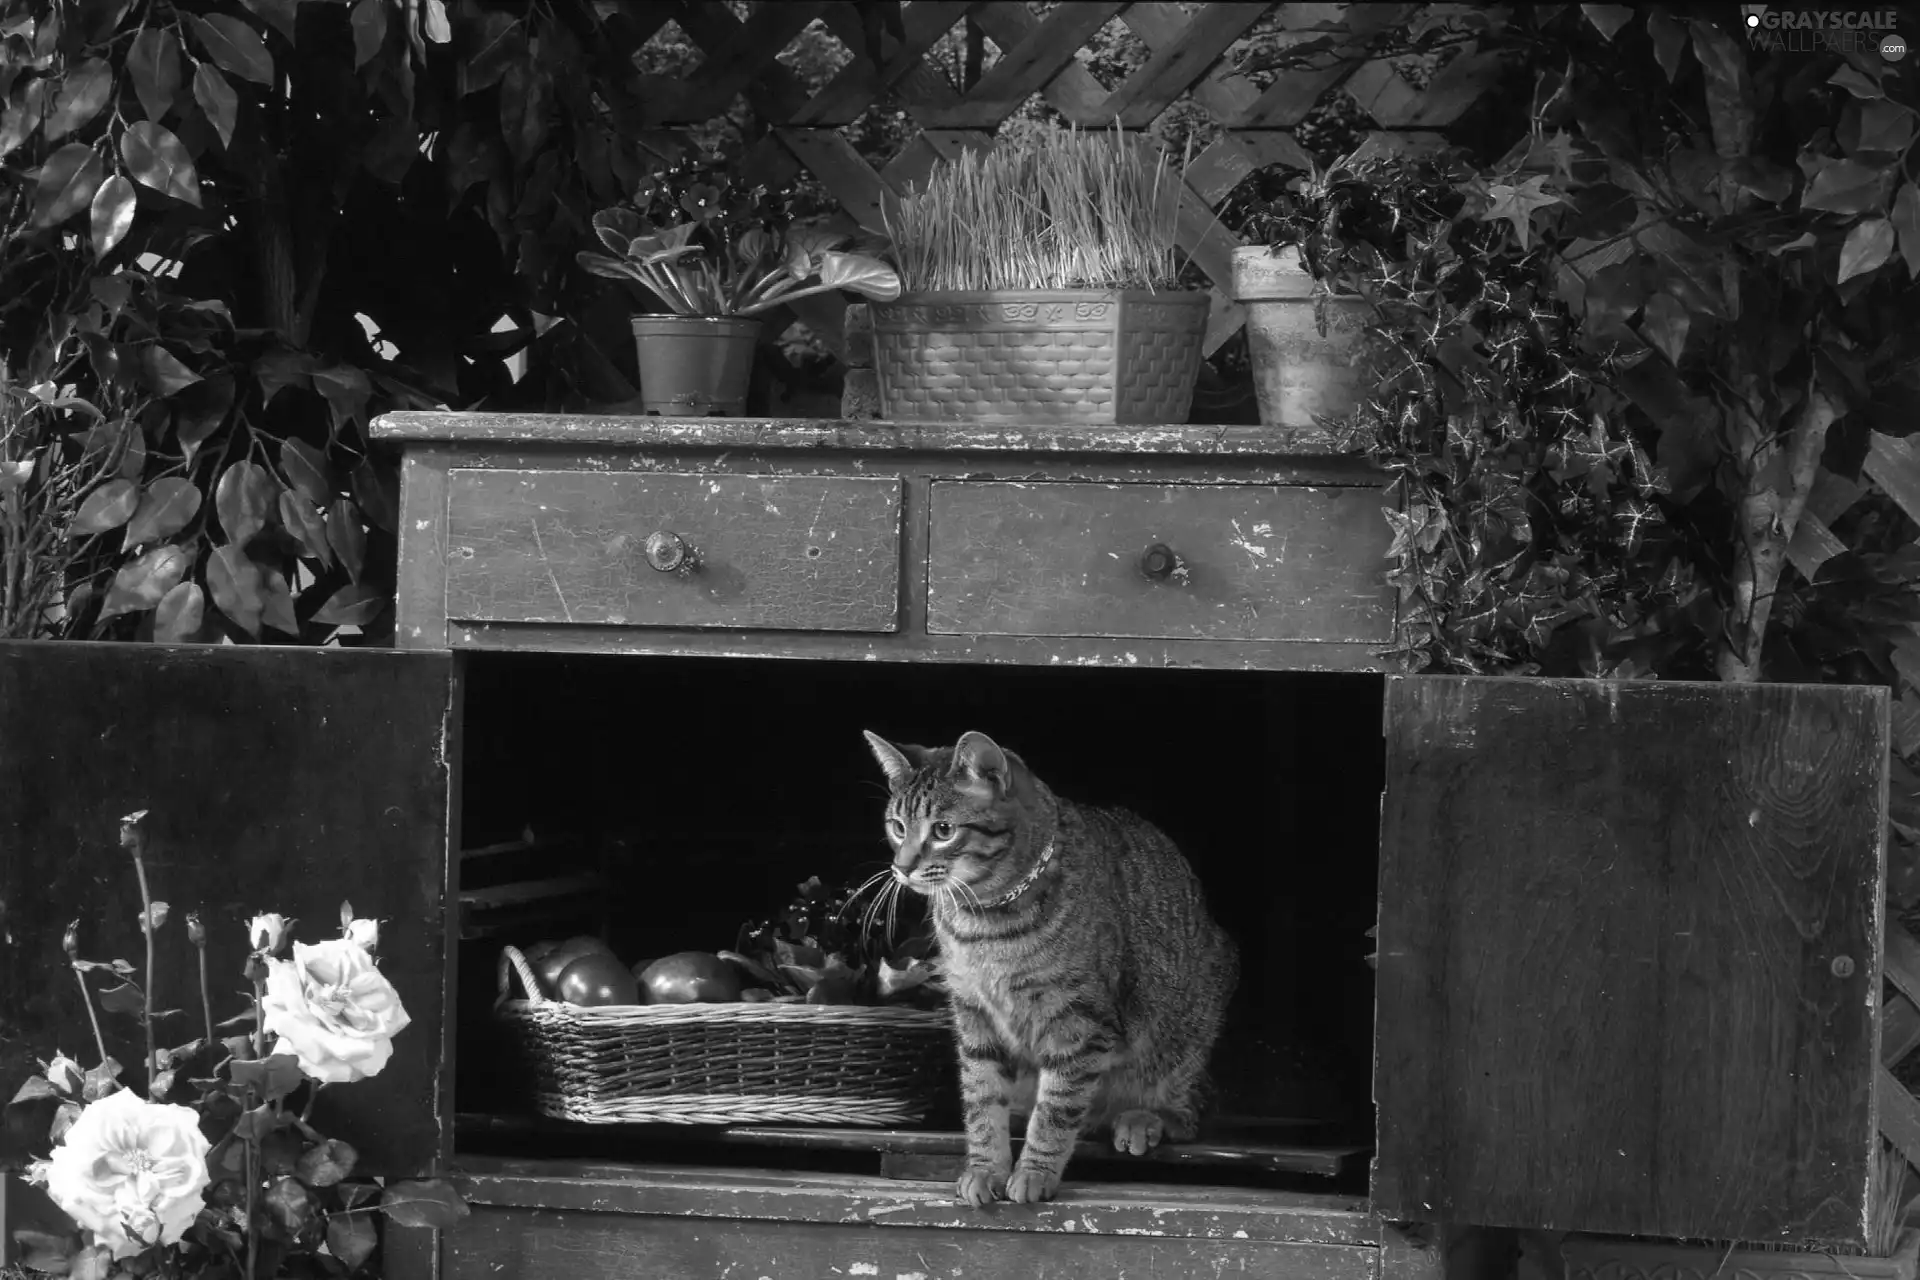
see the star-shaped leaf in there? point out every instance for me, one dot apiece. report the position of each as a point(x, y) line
point(1517, 203)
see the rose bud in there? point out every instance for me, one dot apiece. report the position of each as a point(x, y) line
point(364, 934)
point(196, 932)
point(71, 942)
point(269, 933)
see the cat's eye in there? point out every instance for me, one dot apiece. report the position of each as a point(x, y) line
point(943, 831)
point(897, 827)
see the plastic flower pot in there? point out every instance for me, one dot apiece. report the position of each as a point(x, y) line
point(1300, 375)
point(1102, 356)
point(694, 366)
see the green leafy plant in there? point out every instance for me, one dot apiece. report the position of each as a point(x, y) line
point(706, 245)
point(1046, 209)
point(236, 1181)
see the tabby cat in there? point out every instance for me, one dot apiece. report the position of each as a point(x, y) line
point(1087, 978)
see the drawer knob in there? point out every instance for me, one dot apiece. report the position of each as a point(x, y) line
point(669, 552)
point(1158, 562)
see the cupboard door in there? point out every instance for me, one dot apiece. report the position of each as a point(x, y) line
point(274, 780)
point(1629, 952)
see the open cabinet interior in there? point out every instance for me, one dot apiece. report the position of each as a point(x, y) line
point(662, 803)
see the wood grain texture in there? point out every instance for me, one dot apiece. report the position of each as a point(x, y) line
point(812, 554)
point(544, 1244)
point(420, 589)
point(1257, 563)
point(276, 779)
point(1611, 987)
point(1027, 66)
point(810, 434)
point(1130, 1210)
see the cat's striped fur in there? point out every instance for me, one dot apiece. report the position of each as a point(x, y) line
point(1084, 968)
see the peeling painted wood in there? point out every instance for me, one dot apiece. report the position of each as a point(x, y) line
point(815, 554)
point(1136, 1210)
point(1249, 563)
point(1629, 956)
point(644, 432)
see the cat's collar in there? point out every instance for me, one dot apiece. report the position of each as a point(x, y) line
point(1026, 881)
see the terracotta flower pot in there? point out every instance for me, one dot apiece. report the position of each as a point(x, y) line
point(1040, 355)
point(694, 366)
point(1300, 375)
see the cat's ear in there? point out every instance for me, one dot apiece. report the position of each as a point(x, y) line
point(976, 756)
point(896, 762)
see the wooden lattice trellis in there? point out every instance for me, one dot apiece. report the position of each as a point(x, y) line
point(1039, 57)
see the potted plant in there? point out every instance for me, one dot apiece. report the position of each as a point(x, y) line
point(1040, 286)
point(718, 255)
point(1319, 236)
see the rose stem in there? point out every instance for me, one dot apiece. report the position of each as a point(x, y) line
point(134, 839)
point(86, 996)
point(206, 1005)
point(313, 1096)
point(253, 1178)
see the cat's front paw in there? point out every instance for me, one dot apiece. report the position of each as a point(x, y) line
point(1030, 1185)
point(981, 1186)
point(1138, 1132)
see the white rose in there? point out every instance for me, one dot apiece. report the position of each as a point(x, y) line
point(332, 1010)
point(364, 934)
point(130, 1171)
point(269, 932)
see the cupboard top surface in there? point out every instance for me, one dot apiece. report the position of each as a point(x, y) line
point(646, 432)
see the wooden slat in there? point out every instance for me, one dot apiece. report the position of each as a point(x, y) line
point(1899, 1029)
point(773, 91)
point(1295, 91)
point(1029, 65)
point(1222, 93)
point(1899, 1114)
point(1895, 467)
point(1902, 959)
point(917, 159)
point(857, 85)
point(744, 55)
point(851, 180)
point(1456, 87)
point(1072, 91)
point(1178, 63)
point(1218, 169)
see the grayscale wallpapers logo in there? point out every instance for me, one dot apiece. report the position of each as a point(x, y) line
point(1824, 31)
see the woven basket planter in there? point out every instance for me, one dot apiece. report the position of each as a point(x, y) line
point(1089, 356)
point(725, 1063)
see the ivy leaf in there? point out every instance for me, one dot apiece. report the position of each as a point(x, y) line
point(302, 521)
point(237, 590)
point(66, 184)
point(1665, 325)
point(306, 470)
point(154, 62)
point(164, 372)
point(281, 15)
point(108, 507)
point(1846, 186)
point(19, 120)
point(233, 44)
point(1867, 247)
point(1906, 220)
point(1517, 203)
point(242, 501)
point(350, 1238)
point(1884, 126)
point(217, 98)
point(145, 582)
point(81, 96)
point(352, 605)
point(167, 507)
point(1669, 37)
point(157, 160)
point(1607, 19)
point(489, 43)
point(180, 614)
point(1729, 89)
point(1856, 83)
point(347, 538)
point(328, 1163)
point(369, 21)
point(113, 206)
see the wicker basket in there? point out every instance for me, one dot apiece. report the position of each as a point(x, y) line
point(725, 1063)
point(1072, 355)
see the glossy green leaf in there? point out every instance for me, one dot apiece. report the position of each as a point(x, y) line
point(377, 489)
point(1885, 126)
point(1847, 186)
point(201, 411)
point(1906, 221)
point(167, 507)
point(234, 582)
point(306, 470)
point(217, 98)
point(355, 604)
point(281, 15)
point(369, 22)
point(108, 507)
point(303, 522)
point(113, 206)
point(156, 159)
point(164, 373)
point(1607, 19)
point(347, 537)
point(1665, 325)
point(1867, 247)
point(276, 602)
point(67, 183)
point(351, 1238)
point(20, 119)
point(236, 47)
point(180, 614)
point(488, 42)
point(153, 61)
point(143, 583)
point(242, 501)
point(82, 94)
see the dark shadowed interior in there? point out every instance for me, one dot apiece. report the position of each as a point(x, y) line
point(704, 791)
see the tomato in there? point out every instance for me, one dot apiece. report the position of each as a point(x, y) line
point(549, 966)
point(597, 978)
point(691, 977)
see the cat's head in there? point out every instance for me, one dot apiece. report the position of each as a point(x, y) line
point(957, 816)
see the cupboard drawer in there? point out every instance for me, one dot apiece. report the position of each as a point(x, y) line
point(799, 553)
point(1248, 562)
